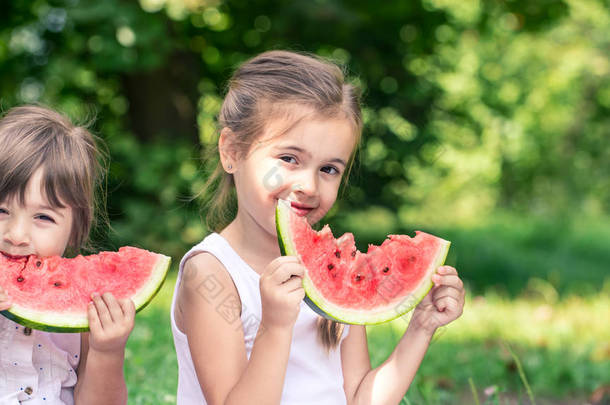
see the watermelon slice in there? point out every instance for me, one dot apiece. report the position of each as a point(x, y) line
point(52, 293)
point(346, 285)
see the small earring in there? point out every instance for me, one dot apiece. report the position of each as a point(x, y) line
point(230, 166)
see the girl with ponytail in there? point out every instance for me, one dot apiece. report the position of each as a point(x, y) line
point(289, 128)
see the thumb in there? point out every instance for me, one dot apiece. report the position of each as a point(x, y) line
point(5, 301)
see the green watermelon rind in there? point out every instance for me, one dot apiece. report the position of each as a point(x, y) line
point(70, 323)
point(357, 317)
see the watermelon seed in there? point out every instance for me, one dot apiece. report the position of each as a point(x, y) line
point(358, 277)
point(38, 263)
point(57, 284)
point(386, 269)
point(353, 253)
point(338, 254)
point(20, 279)
point(331, 266)
point(412, 259)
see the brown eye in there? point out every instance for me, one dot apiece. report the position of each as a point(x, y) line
point(45, 218)
point(330, 170)
point(288, 159)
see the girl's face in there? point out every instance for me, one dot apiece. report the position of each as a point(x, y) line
point(304, 165)
point(34, 227)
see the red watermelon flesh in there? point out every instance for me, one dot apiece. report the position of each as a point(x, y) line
point(345, 284)
point(52, 293)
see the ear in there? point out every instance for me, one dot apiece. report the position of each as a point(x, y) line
point(227, 150)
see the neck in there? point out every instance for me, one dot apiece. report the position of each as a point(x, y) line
point(253, 243)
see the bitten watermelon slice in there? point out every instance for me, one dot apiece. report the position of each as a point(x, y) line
point(52, 293)
point(349, 286)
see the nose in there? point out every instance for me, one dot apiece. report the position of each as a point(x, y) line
point(306, 183)
point(16, 233)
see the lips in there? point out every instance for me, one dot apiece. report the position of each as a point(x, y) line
point(300, 209)
point(13, 257)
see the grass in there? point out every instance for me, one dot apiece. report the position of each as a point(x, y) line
point(562, 350)
point(151, 367)
point(522, 374)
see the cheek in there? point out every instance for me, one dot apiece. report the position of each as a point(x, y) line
point(272, 177)
point(331, 189)
point(68, 231)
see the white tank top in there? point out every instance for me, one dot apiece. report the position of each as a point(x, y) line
point(313, 376)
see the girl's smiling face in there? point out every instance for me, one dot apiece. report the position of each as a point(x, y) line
point(34, 227)
point(304, 165)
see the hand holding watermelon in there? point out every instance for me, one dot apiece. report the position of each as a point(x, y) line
point(110, 322)
point(443, 304)
point(281, 292)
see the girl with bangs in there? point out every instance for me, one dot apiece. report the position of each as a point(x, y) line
point(49, 170)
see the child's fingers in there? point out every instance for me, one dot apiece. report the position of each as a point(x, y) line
point(278, 262)
point(443, 298)
point(447, 303)
point(5, 301)
point(447, 270)
point(129, 309)
point(298, 294)
point(95, 325)
point(102, 310)
point(448, 280)
point(277, 271)
point(448, 291)
point(285, 272)
point(115, 310)
point(292, 284)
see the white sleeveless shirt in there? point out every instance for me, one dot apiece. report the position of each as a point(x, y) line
point(37, 367)
point(313, 376)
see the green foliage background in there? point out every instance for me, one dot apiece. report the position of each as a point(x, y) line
point(475, 112)
point(487, 122)
point(471, 106)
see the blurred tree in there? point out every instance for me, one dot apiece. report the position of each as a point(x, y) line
point(470, 106)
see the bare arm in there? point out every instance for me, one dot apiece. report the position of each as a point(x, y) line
point(100, 374)
point(217, 345)
point(388, 383)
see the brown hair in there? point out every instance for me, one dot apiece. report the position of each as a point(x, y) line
point(33, 137)
point(268, 86)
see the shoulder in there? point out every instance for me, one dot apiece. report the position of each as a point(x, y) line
point(204, 270)
point(203, 280)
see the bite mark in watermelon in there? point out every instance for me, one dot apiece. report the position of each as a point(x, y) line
point(52, 293)
point(346, 285)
